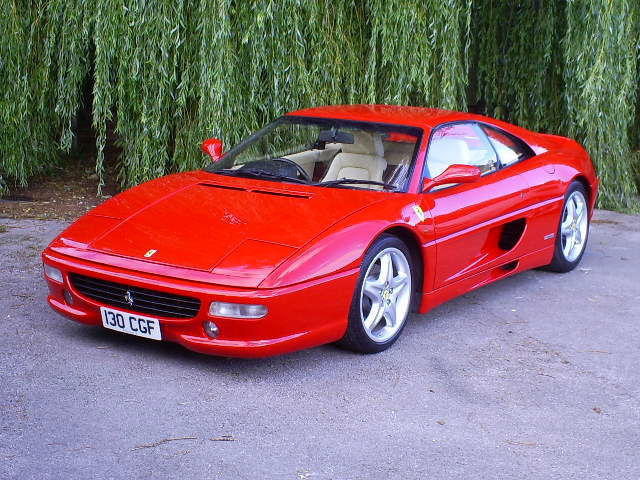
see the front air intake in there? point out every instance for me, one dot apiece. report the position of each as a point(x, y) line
point(135, 299)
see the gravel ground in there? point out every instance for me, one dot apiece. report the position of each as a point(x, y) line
point(536, 376)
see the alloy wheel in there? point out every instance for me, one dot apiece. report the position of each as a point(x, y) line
point(386, 295)
point(573, 229)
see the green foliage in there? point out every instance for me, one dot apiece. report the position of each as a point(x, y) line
point(169, 73)
point(518, 61)
point(418, 52)
point(28, 121)
point(601, 65)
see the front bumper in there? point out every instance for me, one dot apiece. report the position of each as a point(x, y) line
point(300, 316)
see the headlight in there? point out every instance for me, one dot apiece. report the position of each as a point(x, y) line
point(237, 310)
point(52, 273)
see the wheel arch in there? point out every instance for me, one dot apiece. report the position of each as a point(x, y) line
point(590, 189)
point(585, 183)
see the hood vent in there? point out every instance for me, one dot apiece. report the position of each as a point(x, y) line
point(281, 194)
point(261, 192)
point(224, 187)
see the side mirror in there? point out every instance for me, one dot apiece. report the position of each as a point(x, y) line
point(213, 148)
point(453, 174)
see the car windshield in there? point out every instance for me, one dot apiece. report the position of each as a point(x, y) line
point(326, 153)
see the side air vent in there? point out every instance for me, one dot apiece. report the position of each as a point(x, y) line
point(511, 234)
point(510, 266)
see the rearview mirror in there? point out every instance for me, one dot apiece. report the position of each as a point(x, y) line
point(213, 148)
point(335, 136)
point(453, 174)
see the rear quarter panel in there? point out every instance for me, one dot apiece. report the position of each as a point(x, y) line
point(570, 161)
point(548, 176)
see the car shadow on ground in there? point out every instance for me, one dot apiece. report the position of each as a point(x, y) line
point(129, 345)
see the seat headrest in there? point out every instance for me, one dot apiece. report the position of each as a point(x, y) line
point(451, 150)
point(365, 143)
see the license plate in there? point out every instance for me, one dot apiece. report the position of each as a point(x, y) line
point(132, 324)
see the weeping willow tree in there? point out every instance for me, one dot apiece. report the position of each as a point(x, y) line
point(28, 91)
point(601, 77)
point(418, 52)
point(566, 67)
point(164, 74)
point(518, 62)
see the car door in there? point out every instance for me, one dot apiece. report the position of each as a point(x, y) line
point(545, 192)
point(476, 224)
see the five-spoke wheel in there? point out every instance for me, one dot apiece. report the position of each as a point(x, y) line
point(571, 238)
point(573, 229)
point(385, 296)
point(382, 300)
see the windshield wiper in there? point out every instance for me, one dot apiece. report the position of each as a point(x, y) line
point(354, 181)
point(253, 172)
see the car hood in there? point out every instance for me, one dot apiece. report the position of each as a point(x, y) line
point(234, 227)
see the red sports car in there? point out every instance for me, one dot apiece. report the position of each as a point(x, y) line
point(330, 224)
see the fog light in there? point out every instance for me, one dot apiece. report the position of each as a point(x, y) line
point(52, 273)
point(237, 310)
point(68, 297)
point(211, 329)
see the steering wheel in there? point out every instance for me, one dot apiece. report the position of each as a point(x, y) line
point(303, 173)
point(271, 166)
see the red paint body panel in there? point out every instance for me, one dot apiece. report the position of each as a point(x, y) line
point(299, 316)
point(297, 248)
point(220, 219)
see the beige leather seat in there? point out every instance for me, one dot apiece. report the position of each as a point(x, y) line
point(445, 152)
point(396, 153)
point(361, 160)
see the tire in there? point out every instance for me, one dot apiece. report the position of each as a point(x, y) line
point(382, 298)
point(573, 230)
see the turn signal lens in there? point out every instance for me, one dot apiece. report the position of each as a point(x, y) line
point(237, 310)
point(52, 273)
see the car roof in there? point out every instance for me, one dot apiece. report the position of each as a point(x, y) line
point(391, 114)
point(422, 117)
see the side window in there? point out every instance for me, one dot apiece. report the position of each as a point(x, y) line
point(510, 149)
point(460, 143)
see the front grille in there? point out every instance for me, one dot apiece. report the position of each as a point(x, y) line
point(144, 300)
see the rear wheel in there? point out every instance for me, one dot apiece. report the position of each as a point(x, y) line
point(573, 231)
point(382, 298)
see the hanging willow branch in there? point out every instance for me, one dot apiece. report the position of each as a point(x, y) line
point(166, 74)
point(601, 65)
point(519, 62)
point(418, 52)
point(28, 121)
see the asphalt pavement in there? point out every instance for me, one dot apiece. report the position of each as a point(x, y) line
point(536, 376)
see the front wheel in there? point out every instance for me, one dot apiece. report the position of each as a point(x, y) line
point(382, 298)
point(573, 231)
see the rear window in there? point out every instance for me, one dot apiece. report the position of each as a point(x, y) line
point(509, 149)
